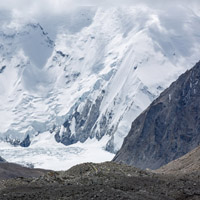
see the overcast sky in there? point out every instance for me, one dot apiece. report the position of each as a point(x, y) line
point(49, 11)
point(36, 7)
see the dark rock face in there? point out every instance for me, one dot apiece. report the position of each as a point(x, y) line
point(2, 160)
point(2, 69)
point(26, 142)
point(168, 128)
point(84, 123)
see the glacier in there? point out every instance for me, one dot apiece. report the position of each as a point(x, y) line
point(88, 79)
point(46, 153)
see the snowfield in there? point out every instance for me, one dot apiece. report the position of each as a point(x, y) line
point(46, 153)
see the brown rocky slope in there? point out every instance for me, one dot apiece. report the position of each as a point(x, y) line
point(187, 164)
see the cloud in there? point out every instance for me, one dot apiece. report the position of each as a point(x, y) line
point(36, 7)
point(51, 12)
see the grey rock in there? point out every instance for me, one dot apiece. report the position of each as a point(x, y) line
point(2, 160)
point(26, 142)
point(84, 123)
point(2, 69)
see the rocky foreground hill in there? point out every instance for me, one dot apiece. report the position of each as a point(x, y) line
point(168, 128)
point(103, 181)
point(11, 170)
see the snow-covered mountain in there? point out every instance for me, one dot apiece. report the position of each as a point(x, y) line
point(91, 78)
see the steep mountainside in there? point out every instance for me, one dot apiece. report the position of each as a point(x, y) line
point(168, 128)
point(94, 74)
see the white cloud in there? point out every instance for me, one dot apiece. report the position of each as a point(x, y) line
point(50, 12)
point(60, 6)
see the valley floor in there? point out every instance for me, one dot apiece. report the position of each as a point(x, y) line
point(103, 181)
